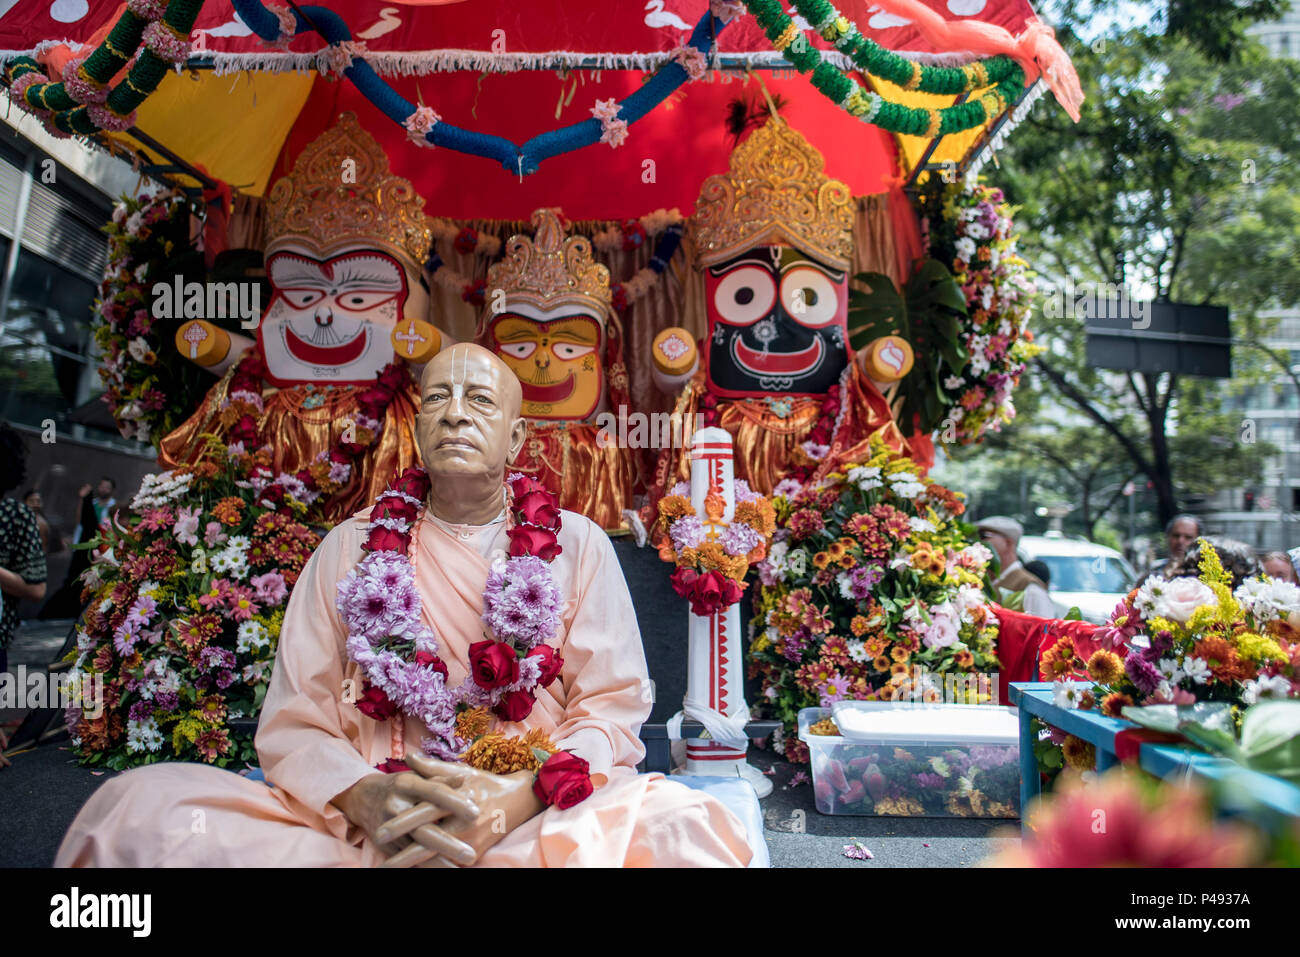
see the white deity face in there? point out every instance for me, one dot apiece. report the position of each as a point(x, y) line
point(329, 320)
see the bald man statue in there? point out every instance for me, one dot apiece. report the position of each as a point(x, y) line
point(328, 804)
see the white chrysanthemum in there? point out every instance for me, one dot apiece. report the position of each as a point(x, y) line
point(1267, 598)
point(1196, 670)
point(1265, 686)
point(1168, 667)
point(1065, 694)
point(865, 479)
point(920, 524)
point(857, 650)
point(143, 735)
point(252, 635)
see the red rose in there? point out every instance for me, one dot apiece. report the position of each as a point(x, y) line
point(273, 495)
point(339, 457)
point(398, 508)
point(524, 484)
point(538, 508)
point(683, 581)
point(392, 766)
point(413, 482)
point(492, 664)
point(552, 663)
point(430, 660)
point(375, 704)
point(514, 706)
point(563, 781)
point(387, 540)
point(527, 540)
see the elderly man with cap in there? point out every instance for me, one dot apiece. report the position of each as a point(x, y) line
point(1002, 535)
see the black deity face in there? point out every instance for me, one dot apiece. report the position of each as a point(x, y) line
point(777, 323)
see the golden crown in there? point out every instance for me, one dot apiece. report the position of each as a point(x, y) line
point(323, 203)
point(776, 190)
point(548, 269)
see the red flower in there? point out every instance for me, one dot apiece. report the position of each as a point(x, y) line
point(466, 241)
point(475, 292)
point(563, 781)
point(552, 663)
point(538, 508)
point(618, 296)
point(523, 484)
point(392, 766)
point(634, 234)
point(431, 661)
point(398, 508)
point(514, 706)
point(492, 665)
point(387, 540)
point(245, 430)
point(527, 540)
point(413, 482)
point(707, 593)
point(375, 704)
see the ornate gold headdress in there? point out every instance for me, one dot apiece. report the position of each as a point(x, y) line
point(314, 207)
point(776, 190)
point(548, 269)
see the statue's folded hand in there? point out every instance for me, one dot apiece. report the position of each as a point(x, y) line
point(396, 809)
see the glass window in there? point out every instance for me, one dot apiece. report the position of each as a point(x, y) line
point(1084, 573)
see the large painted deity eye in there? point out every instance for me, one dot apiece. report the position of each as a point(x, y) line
point(302, 298)
point(570, 350)
point(809, 296)
point(744, 296)
point(517, 350)
point(361, 301)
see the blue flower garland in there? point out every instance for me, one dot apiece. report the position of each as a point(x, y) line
point(515, 159)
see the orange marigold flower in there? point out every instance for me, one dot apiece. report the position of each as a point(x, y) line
point(821, 560)
point(1224, 662)
point(858, 626)
point(899, 668)
point(1113, 705)
point(228, 510)
point(473, 722)
point(881, 663)
point(1058, 661)
point(674, 506)
point(964, 658)
point(1079, 754)
point(899, 653)
point(1105, 667)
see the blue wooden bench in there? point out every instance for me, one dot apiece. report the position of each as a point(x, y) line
point(1273, 803)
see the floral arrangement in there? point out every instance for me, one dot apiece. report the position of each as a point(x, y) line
point(185, 609)
point(973, 230)
point(1184, 640)
point(84, 103)
point(149, 386)
point(379, 603)
point(975, 781)
point(713, 557)
point(871, 585)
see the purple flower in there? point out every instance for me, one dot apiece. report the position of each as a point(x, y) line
point(140, 710)
point(142, 610)
point(929, 780)
point(167, 700)
point(213, 658)
point(792, 646)
point(125, 637)
point(686, 532)
point(740, 539)
point(521, 603)
point(225, 678)
point(379, 598)
point(1141, 672)
point(270, 589)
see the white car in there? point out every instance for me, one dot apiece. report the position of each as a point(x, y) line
point(1092, 577)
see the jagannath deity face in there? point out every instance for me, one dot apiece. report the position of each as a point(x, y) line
point(330, 318)
point(556, 354)
point(778, 322)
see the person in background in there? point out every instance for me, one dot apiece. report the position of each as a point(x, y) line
point(1041, 571)
point(51, 540)
point(1238, 558)
point(1180, 533)
point(22, 556)
point(95, 501)
point(1002, 535)
point(95, 511)
point(1278, 565)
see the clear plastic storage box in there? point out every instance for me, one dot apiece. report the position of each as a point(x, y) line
point(910, 759)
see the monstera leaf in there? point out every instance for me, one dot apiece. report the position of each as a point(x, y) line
point(1270, 733)
point(927, 312)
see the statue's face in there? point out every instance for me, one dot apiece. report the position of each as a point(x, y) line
point(778, 322)
point(555, 353)
point(329, 320)
point(469, 423)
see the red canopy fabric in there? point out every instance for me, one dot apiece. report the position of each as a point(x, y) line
point(493, 34)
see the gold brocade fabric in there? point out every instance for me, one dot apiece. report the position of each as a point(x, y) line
point(868, 414)
point(765, 440)
point(593, 481)
point(299, 423)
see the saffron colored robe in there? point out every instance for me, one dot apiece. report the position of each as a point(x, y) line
point(314, 745)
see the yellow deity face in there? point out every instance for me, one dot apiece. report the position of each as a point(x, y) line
point(556, 354)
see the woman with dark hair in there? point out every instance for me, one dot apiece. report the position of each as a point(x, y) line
point(22, 556)
point(1237, 558)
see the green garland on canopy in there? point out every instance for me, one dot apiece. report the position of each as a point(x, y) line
point(870, 107)
point(81, 104)
point(872, 58)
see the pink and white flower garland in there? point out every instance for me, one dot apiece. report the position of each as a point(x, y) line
point(613, 130)
point(380, 604)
